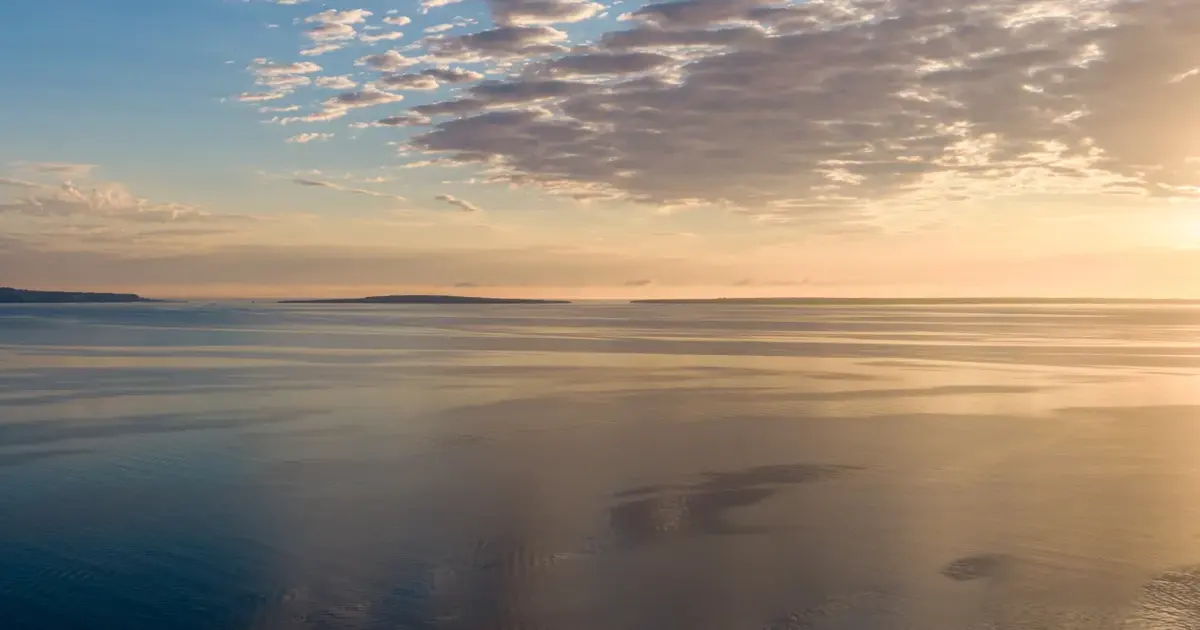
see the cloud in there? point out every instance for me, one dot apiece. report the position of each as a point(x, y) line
point(367, 97)
point(638, 283)
point(19, 183)
point(99, 200)
point(284, 82)
point(259, 97)
point(704, 13)
point(321, 49)
point(506, 93)
point(452, 75)
point(389, 61)
point(404, 120)
point(342, 104)
point(324, 115)
point(433, 4)
point(381, 37)
point(659, 39)
point(332, 16)
point(341, 82)
point(331, 32)
point(500, 42)
point(305, 138)
point(67, 170)
point(806, 110)
point(608, 63)
point(542, 12)
point(407, 82)
point(317, 183)
point(281, 78)
point(459, 203)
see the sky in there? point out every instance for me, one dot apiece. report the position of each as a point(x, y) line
point(580, 149)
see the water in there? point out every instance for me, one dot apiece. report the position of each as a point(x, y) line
point(597, 466)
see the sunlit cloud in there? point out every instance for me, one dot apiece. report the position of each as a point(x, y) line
point(94, 199)
point(305, 138)
point(341, 82)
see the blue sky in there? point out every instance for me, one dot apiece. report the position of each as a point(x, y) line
point(698, 147)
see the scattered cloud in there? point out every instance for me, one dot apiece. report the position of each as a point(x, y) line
point(68, 170)
point(461, 204)
point(367, 97)
point(381, 37)
point(407, 82)
point(278, 109)
point(99, 200)
point(806, 110)
point(389, 61)
point(305, 138)
point(284, 81)
point(500, 42)
point(331, 32)
point(321, 49)
point(542, 12)
point(332, 16)
point(259, 97)
point(452, 75)
point(317, 183)
point(403, 120)
point(800, 110)
point(340, 82)
point(265, 68)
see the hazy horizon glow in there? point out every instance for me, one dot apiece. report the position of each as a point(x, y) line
point(578, 149)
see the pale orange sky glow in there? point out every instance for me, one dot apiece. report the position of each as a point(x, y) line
point(573, 149)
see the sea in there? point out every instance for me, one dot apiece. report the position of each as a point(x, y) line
point(600, 466)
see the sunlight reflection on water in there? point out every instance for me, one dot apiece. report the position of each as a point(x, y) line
point(599, 466)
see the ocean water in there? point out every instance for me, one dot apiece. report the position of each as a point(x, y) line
point(593, 466)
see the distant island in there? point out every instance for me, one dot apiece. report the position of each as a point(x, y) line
point(912, 301)
point(9, 295)
point(424, 299)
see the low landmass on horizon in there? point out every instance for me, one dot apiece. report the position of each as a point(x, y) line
point(424, 299)
point(915, 301)
point(9, 295)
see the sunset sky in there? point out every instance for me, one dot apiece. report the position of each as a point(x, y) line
point(260, 148)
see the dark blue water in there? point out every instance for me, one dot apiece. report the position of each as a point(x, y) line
point(600, 467)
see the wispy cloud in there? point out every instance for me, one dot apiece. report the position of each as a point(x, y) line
point(68, 170)
point(461, 204)
point(101, 200)
point(317, 183)
point(305, 138)
point(387, 36)
point(321, 49)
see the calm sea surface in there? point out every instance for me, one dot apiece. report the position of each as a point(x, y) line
point(591, 466)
